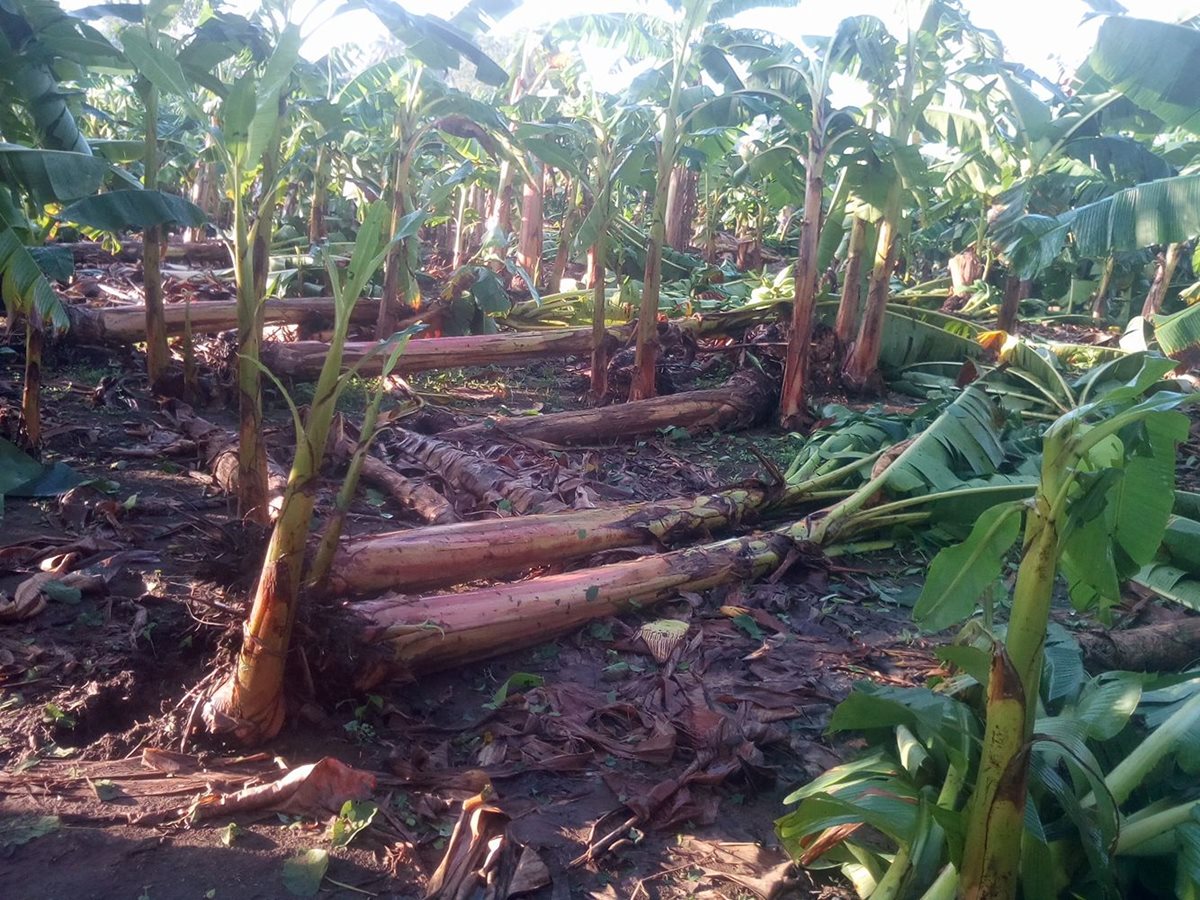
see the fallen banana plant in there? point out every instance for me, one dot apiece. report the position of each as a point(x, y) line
point(745, 400)
point(304, 359)
point(127, 324)
point(419, 559)
point(439, 631)
point(424, 558)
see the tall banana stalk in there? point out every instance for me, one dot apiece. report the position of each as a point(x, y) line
point(792, 401)
point(249, 704)
point(1065, 521)
point(157, 354)
point(644, 383)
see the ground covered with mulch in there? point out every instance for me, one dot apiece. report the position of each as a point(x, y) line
point(588, 766)
point(616, 774)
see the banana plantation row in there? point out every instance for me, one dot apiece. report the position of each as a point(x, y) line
point(1014, 252)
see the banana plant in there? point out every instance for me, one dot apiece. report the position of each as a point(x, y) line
point(1098, 515)
point(936, 33)
point(861, 44)
point(599, 142)
point(683, 35)
point(1097, 740)
point(1147, 203)
point(250, 704)
point(424, 102)
point(64, 171)
point(246, 139)
point(148, 24)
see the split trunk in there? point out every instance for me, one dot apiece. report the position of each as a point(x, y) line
point(1164, 271)
point(848, 309)
point(1015, 290)
point(861, 372)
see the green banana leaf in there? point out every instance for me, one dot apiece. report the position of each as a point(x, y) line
point(22, 284)
point(1154, 64)
point(121, 210)
point(51, 176)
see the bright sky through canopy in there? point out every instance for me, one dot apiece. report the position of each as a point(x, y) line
point(1049, 36)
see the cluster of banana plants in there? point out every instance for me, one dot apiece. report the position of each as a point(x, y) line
point(1018, 773)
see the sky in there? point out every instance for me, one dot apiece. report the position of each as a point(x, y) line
point(1049, 36)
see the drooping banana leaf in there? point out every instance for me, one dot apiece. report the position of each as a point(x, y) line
point(120, 210)
point(23, 476)
point(1154, 64)
point(913, 335)
point(1154, 212)
point(1031, 363)
point(51, 176)
point(433, 41)
point(963, 442)
point(1170, 583)
point(22, 284)
point(1178, 332)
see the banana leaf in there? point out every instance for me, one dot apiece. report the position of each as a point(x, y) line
point(22, 284)
point(121, 210)
point(51, 176)
point(1154, 64)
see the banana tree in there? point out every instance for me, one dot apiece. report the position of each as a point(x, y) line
point(675, 93)
point(147, 25)
point(63, 172)
point(1075, 150)
point(424, 102)
point(600, 142)
point(861, 44)
point(1100, 512)
point(683, 37)
point(1103, 501)
point(935, 33)
point(249, 705)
